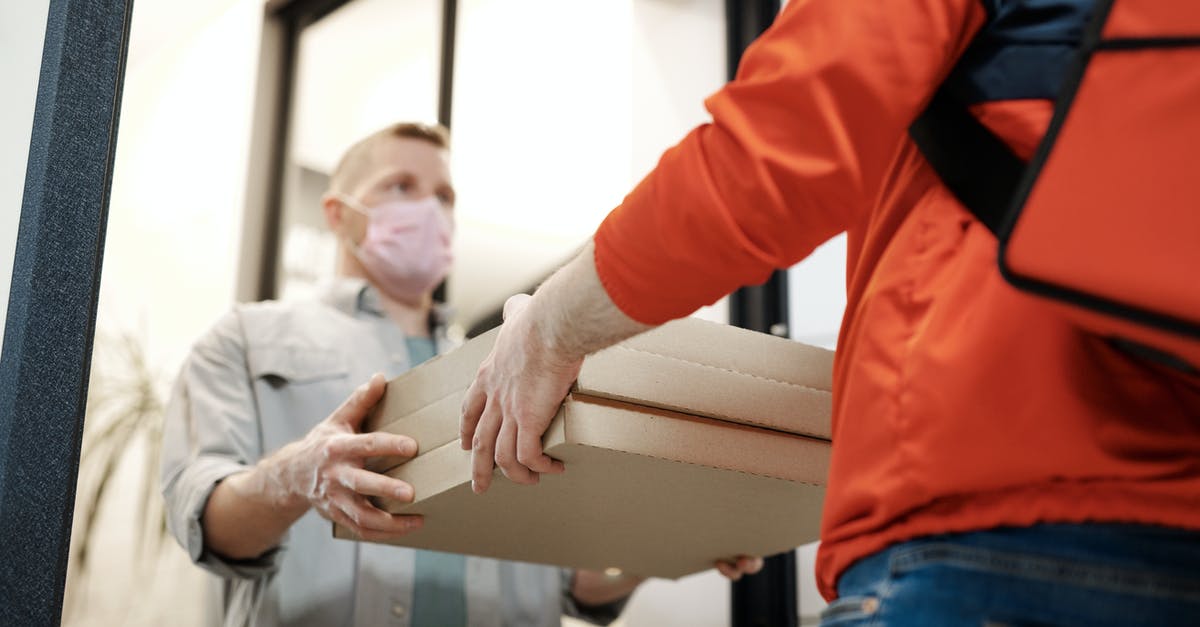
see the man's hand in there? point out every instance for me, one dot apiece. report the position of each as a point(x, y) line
point(514, 397)
point(247, 513)
point(593, 587)
point(531, 368)
point(737, 568)
point(325, 469)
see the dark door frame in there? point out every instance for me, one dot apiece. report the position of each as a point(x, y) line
point(768, 599)
point(51, 319)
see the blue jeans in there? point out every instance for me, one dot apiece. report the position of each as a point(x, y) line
point(1089, 575)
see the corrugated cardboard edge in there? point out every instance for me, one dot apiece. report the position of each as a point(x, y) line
point(657, 433)
point(738, 350)
point(428, 425)
point(430, 382)
point(721, 372)
point(432, 391)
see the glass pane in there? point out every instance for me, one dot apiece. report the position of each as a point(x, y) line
point(559, 109)
point(817, 294)
point(366, 65)
point(809, 601)
point(22, 30)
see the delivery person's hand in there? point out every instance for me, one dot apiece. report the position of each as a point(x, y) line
point(515, 395)
point(536, 358)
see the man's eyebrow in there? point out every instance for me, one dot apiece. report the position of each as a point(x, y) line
point(395, 174)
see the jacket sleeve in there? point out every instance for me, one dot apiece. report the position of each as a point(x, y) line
point(798, 150)
point(211, 431)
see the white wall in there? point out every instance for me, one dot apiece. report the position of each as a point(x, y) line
point(22, 31)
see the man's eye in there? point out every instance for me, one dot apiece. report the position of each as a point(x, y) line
point(447, 199)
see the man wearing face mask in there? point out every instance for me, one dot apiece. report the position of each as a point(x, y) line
point(252, 475)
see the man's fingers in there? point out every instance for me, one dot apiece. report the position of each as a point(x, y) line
point(729, 571)
point(369, 483)
point(749, 565)
point(362, 446)
point(506, 456)
point(472, 409)
point(370, 519)
point(739, 566)
point(354, 409)
point(354, 513)
point(530, 455)
point(335, 513)
point(413, 523)
point(483, 447)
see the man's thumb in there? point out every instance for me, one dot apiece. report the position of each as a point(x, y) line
point(356, 408)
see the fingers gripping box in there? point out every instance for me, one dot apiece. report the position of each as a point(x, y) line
point(688, 444)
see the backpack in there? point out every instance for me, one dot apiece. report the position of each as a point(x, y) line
point(1104, 221)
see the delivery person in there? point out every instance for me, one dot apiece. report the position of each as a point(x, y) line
point(252, 475)
point(992, 464)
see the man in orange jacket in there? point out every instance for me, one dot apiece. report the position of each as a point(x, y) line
point(992, 463)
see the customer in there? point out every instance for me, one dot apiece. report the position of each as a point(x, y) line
point(261, 451)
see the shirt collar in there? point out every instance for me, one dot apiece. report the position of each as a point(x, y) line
point(352, 295)
point(345, 295)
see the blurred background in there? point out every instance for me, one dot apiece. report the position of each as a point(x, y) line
point(233, 114)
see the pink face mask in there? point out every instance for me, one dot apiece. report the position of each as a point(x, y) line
point(406, 250)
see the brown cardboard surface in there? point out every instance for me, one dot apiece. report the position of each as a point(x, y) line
point(649, 491)
point(688, 365)
point(424, 403)
point(723, 372)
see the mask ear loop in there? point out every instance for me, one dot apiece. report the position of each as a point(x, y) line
point(353, 204)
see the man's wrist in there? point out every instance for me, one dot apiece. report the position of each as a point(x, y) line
point(550, 338)
point(272, 479)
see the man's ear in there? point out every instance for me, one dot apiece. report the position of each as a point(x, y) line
point(333, 211)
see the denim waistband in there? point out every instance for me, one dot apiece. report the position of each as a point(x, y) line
point(1138, 559)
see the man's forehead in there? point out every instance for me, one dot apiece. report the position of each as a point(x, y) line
point(408, 149)
point(414, 155)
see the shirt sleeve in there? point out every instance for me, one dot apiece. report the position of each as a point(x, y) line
point(594, 614)
point(210, 432)
point(798, 149)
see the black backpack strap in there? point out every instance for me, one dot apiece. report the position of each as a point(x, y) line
point(976, 165)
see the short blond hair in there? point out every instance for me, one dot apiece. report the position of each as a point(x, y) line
point(358, 157)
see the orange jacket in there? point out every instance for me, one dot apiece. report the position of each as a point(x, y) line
point(959, 403)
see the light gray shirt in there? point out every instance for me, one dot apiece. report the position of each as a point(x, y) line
point(262, 378)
